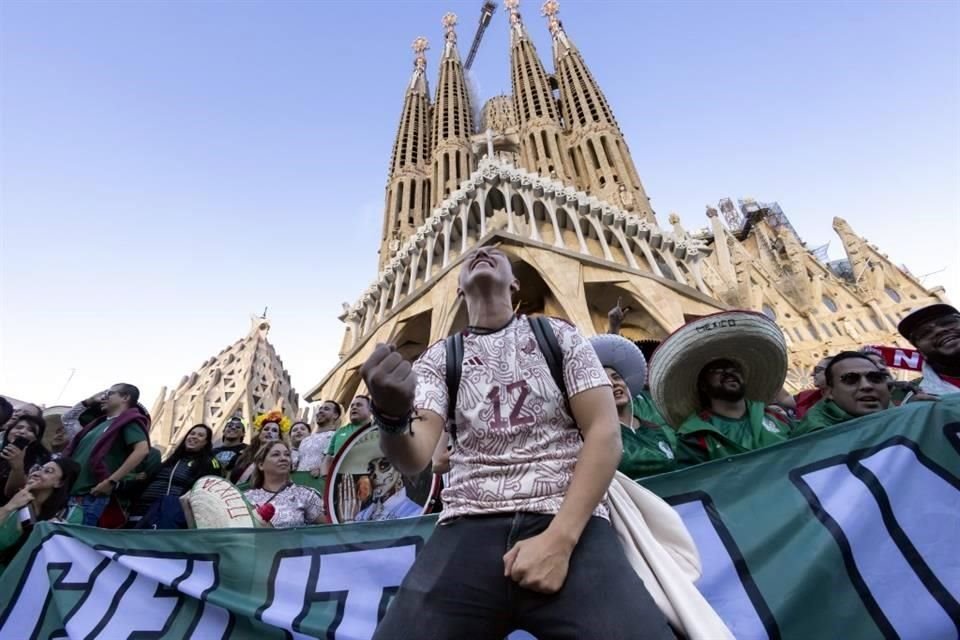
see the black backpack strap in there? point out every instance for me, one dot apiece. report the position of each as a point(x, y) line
point(454, 346)
point(550, 347)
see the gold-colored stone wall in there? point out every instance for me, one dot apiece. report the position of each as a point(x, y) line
point(245, 379)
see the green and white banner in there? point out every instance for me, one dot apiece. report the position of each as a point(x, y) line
point(846, 533)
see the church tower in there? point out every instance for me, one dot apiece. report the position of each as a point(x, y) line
point(408, 184)
point(245, 379)
point(602, 162)
point(453, 159)
point(536, 108)
point(553, 186)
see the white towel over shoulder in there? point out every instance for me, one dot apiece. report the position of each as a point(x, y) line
point(661, 551)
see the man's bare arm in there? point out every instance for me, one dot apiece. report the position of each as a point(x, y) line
point(540, 563)
point(392, 384)
point(411, 453)
point(596, 415)
point(136, 456)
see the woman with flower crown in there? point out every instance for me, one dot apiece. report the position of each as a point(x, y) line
point(268, 427)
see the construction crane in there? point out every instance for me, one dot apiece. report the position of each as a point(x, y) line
point(486, 13)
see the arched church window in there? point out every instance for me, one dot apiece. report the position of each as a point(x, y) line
point(893, 295)
point(829, 303)
point(769, 312)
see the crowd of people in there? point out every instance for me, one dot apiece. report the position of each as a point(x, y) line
point(528, 436)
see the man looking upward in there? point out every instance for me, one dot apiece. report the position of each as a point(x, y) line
point(529, 470)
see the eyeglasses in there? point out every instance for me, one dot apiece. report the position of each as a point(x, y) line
point(928, 329)
point(873, 377)
point(383, 465)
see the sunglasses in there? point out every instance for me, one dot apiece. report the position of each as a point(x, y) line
point(873, 377)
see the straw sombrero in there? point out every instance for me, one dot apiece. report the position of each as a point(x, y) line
point(217, 504)
point(748, 338)
point(624, 357)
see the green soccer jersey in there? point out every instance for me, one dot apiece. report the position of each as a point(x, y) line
point(706, 436)
point(824, 414)
point(647, 450)
point(119, 450)
point(644, 409)
point(340, 436)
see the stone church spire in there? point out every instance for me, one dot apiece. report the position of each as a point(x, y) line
point(453, 159)
point(408, 184)
point(537, 112)
point(245, 379)
point(602, 159)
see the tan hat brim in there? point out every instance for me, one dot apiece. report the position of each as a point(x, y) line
point(751, 339)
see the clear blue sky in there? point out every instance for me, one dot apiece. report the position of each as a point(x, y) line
point(169, 168)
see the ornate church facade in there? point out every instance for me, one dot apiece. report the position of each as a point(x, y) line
point(547, 176)
point(245, 379)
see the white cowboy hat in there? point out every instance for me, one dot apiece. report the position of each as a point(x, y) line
point(624, 357)
point(748, 338)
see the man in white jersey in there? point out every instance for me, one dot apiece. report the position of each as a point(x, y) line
point(524, 540)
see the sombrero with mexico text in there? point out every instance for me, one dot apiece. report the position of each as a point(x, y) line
point(748, 338)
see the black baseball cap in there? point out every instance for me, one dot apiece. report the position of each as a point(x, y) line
point(923, 315)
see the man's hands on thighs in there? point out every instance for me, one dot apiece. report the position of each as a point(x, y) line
point(539, 563)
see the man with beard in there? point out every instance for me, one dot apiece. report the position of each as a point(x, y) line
point(231, 446)
point(389, 499)
point(854, 386)
point(713, 379)
point(524, 540)
point(935, 332)
point(313, 449)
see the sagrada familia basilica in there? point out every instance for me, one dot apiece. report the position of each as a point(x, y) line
point(546, 175)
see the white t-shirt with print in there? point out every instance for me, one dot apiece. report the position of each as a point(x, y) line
point(295, 505)
point(516, 443)
point(312, 450)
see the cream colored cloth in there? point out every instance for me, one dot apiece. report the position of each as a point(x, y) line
point(663, 554)
point(933, 384)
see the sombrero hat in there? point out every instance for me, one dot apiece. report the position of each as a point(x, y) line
point(624, 357)
point(359, 449)
point(217, 504)
point(748, 338)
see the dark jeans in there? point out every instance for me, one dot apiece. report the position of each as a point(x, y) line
point(92, 506)
point(456, 589)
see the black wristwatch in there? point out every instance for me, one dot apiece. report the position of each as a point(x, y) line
point(115, 483)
